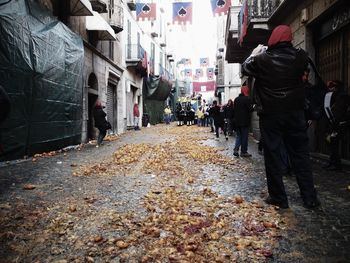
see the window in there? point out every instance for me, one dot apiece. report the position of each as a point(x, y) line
point(111, 50)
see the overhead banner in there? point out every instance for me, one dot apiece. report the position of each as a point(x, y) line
point(220, 7)
point(146, 11)
point(206, 86)
point(182, 13)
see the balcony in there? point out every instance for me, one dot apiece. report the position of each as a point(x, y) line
point(248, 28)
point(255, 30)
point(117, 18)
point(131, 4)
point(136, 58)
point(99, 6)
point(234, 52)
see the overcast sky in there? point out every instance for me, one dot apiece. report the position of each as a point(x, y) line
point(196, 40)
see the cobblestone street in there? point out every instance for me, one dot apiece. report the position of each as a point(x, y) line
point(165, 194)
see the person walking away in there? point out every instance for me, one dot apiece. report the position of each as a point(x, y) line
point(278, 72)
point(5, 108)
point(136, 113)
point(229, 116)
point(167, 114)
point(336, 104)
point(243, 108)
point(100, 122)
point(214, 112)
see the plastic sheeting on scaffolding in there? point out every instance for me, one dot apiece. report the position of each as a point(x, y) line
point(41, 68)
point(156, 90)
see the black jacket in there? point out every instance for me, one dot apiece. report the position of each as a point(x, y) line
point(243, 107)
point(278, 72)
point(229, 112)
point(214, 112)
point(100, 119)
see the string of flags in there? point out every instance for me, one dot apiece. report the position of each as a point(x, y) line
point(182, 11)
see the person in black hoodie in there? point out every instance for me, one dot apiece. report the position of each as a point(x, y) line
point(243, 108)
point(278, 72)
point(100, 122)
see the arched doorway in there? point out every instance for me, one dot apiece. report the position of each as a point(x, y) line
point(92, 97)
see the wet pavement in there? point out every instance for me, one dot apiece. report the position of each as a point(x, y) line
point(118, 203)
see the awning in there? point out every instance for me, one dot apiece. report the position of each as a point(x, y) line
point(97, 23)
point(80, 8)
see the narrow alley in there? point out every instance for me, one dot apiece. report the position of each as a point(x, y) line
point(164, 194)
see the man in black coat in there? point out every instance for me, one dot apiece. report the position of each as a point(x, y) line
point(243, 107)
point(336, 105)
point(278, 72)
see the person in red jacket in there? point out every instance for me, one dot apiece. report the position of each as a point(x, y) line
point(136, 113)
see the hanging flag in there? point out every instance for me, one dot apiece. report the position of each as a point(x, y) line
point(186, 61)
point(210, 73)
point(182, 12)
point(146, 11)
point(204, 62)
point(220, 7)
point(188, 72)
point(243, 19)
point(199, 72)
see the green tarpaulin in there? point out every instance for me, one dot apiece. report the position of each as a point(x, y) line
point(41, 63)
point(155, 90)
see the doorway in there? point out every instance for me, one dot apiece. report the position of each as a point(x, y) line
point(90, 129)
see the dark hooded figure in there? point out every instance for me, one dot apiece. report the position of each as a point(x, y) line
point(278, 72)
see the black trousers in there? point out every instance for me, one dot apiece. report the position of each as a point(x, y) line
point(287, 130)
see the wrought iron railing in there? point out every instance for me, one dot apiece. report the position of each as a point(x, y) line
point(255, 9)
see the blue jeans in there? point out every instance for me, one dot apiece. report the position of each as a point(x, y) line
point(241, 139)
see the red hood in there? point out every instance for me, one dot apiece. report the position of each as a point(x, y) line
point(281, 33)
point(245, 90)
